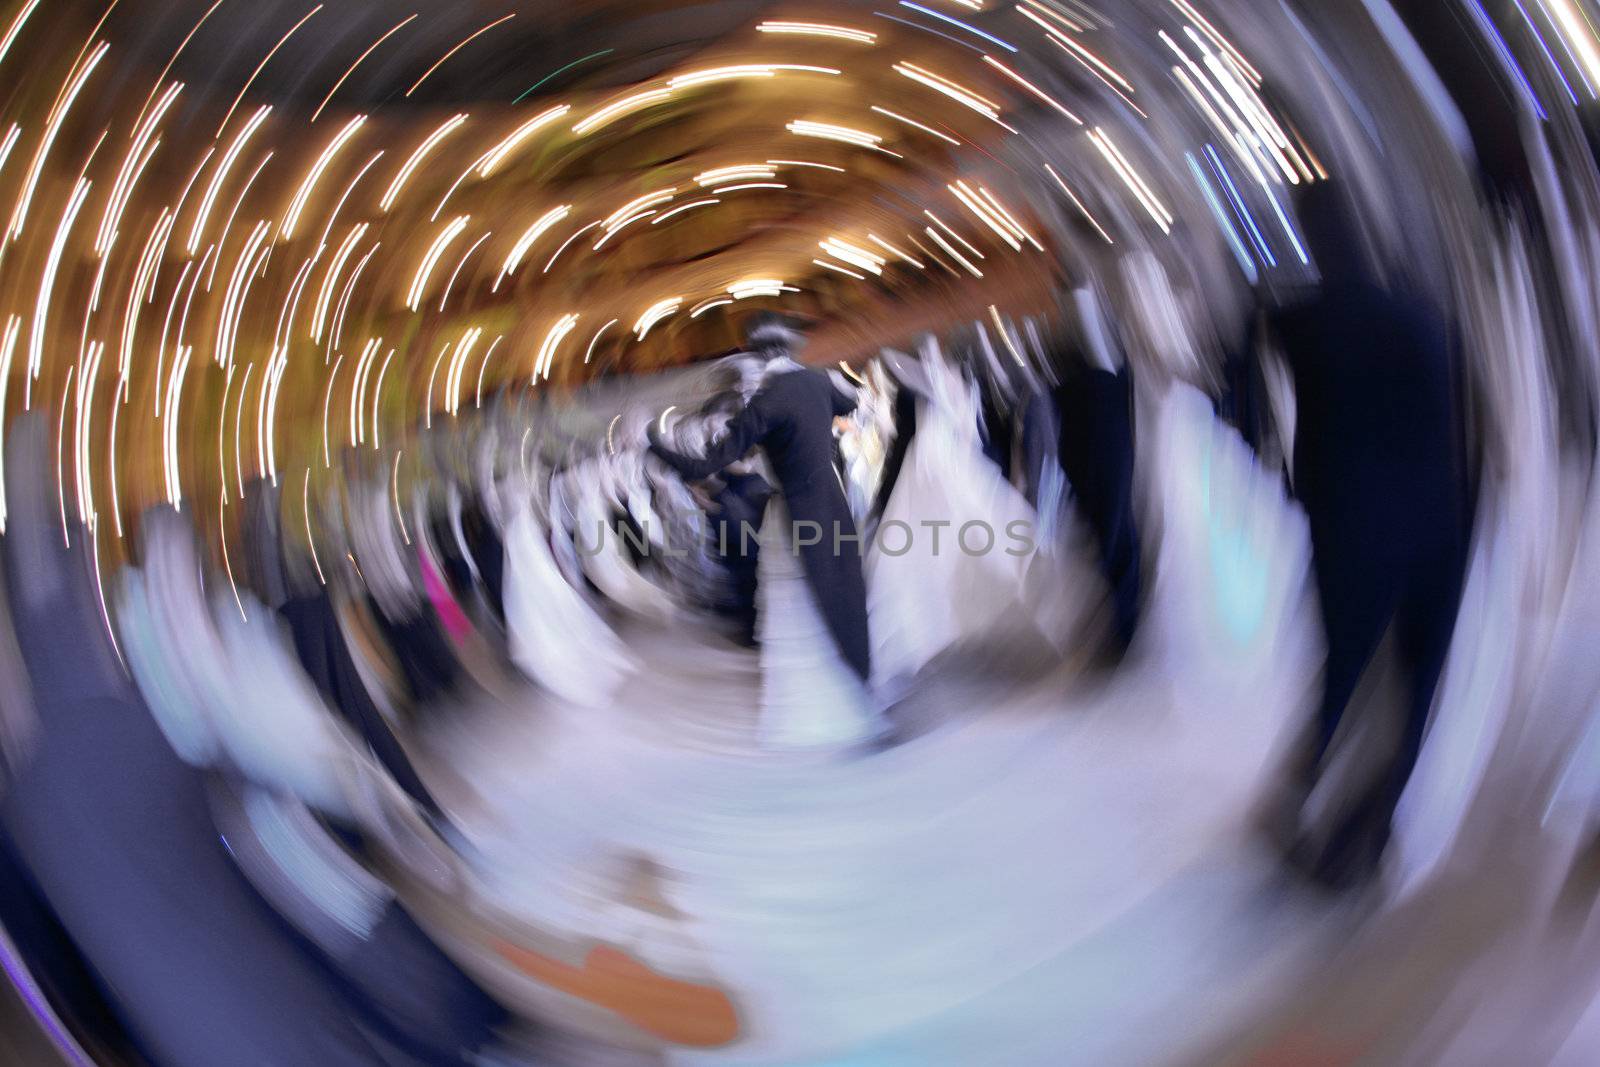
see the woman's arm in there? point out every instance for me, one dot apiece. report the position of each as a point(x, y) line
point(744, 433)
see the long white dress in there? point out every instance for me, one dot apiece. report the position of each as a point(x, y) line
point(810, 698)
point(556, 637)
point(931, 587)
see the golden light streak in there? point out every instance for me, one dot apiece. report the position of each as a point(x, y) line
point(1032, 88)
point(61, 444)
point(990, 220)
point(805, 163)
point(501, 152)
point(737, 172)
point(1079, 204)
point(580, 232)
point(53, 125)
point(292, 217)
point(359, 59)
point(41, 309)
point(311, 542)
point(655, 313)
point(619, 227)
point(841, 270)
point(529, 236)
point(11, 35)
point(458, 363)
point(463, 262)
point(333, 216)
point(1005, 336)
point(886, 246)
point(588, 352)
point(913, 122)
point(428, 144)
point(8, 349)
point(478, 401)
point(394, 494)
point(171, 423)
point(832, 132)
point(665, 215)
point(433, 376)
point(819, 29)
point(358, 391)
point(552, 340)
point(133, 165)
point(222, 537)
point(706, 305)
point(377, 396)
point(238, 432)
point(751, 185)
point(12, 136)
point(419, 282)
point(138, 120)
point(931, 254)
point(717, 74)
point(619, 108)
point(955, 91)
point(638, 203)
point(950, 249)
point(472, 168)
point(259, 66)
point(468, 40)
point(319, 314)
point(951, 230)
point(853, 254)
point(208, 200)
point(1130, 177)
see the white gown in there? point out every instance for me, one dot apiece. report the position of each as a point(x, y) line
point(929, 589)
point(810, 698)
point(556, 637)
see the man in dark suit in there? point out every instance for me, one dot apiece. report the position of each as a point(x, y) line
point(791, 419)
point(1094, 402)
point(1381, 469)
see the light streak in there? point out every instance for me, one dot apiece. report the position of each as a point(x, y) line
point(706, 305)
point(464, 256)
point(958, 24)
point(52, 128)
point(1032, 88)
point(8, 349)
point(478, 403)
point(619, 108)
point(420, 281)
point(377, 396)
point(665, 215)
point(529, 236)
point(1131, 179)
point(503, 150)
point(819, 29)
point(885, 245)
point(655, 313)
point(359, 59)
point(260, 66)
point(949, 229)
point(394, 494)
point(596, 338)
point(751, 185)
point(468, 40)
point(311, 542)
point(957, 256)
point(913, 122)
point(428, 144)
point(292, 217)
point(47, 283)
point(327, 404)
point(841, 270)
point(1079, 204)
point(579, 233)
point(552, 340)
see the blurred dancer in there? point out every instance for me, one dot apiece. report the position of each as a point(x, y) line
point(809, 698)
point(1380, 466)
point(1095, 404)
